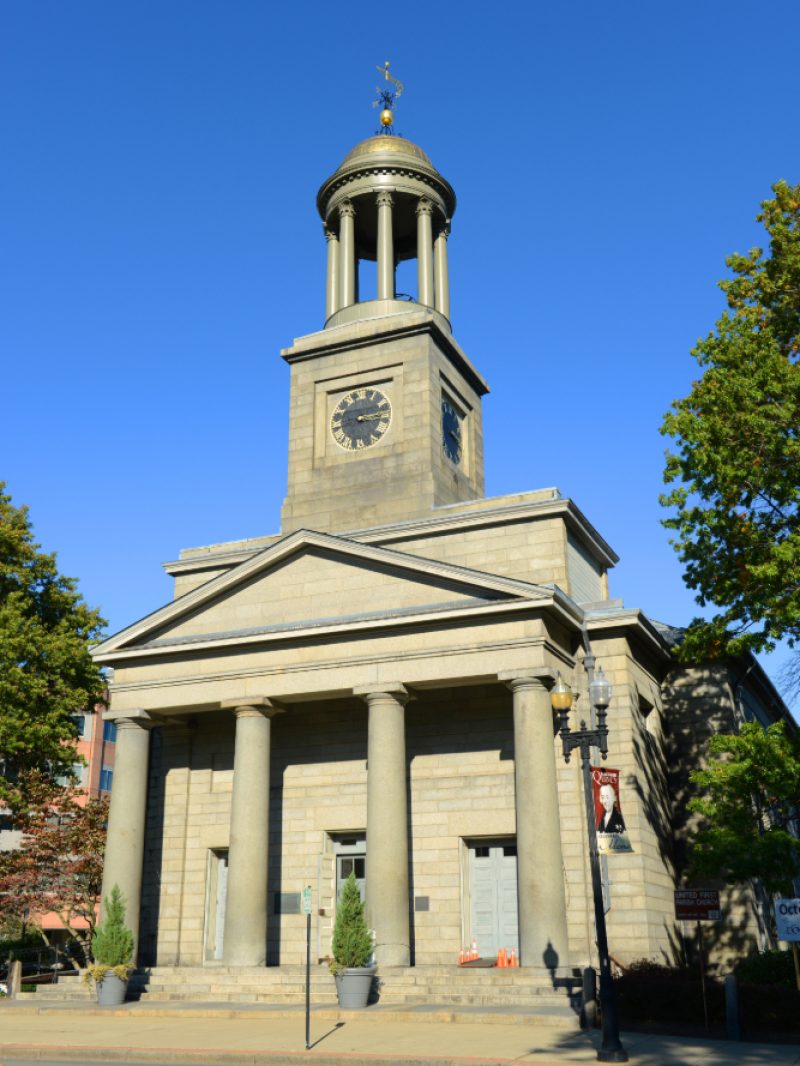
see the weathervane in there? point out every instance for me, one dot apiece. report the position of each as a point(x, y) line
point(386, 98)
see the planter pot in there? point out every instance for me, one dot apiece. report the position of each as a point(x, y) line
point(111, 991)
point(353, 986)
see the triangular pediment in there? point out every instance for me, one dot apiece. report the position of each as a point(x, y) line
point(309, 580)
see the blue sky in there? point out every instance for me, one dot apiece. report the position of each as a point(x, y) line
point(159, 244)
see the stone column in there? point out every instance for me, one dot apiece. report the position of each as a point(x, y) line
point(332, 286)
point(540, 866)
point(124, 854)
point(347, 255)
point(385, 247)
point(441, 274)
point(387, 902)
point(425, 252)
point(245, 940)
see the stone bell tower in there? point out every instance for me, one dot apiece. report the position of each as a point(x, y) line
point(385, 418)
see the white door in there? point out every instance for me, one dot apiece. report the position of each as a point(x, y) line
point(493, 895)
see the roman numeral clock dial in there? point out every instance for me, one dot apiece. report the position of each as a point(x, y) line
point(360, 419)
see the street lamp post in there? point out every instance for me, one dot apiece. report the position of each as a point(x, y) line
point(611, 1049)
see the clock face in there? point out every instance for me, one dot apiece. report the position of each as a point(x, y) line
point(451, 431)
point(360, 419)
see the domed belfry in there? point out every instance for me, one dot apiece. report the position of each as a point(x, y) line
point(385, 406)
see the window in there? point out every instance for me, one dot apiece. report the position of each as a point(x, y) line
point(80, 724)
point(106, 777)
point(110, 731)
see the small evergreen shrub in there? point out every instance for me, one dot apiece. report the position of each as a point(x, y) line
point(352, 940)
point(112, 943)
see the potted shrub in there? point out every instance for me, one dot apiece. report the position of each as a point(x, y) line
point(352, 949)
point(112, 952)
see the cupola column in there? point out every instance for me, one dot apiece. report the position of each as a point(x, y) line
point(332, 286)
point(425, 252)
point(385, 247)
point(347, 255)
point(441, 274)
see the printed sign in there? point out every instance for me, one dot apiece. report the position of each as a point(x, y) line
point(307, 900)
point(697, 905)
point(612, 836)
point(787, 918)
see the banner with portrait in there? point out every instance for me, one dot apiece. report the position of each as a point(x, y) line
point(612, 836)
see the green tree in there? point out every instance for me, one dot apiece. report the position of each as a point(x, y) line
point(352, 941)
point(112, 943)
point(737, 467)
point(749, 794)
point(46, 673)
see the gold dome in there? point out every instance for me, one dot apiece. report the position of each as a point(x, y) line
point(384, 144)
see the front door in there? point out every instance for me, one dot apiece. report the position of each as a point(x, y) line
point(493, 896)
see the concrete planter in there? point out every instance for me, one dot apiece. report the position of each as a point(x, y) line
point(111, 991)
point(353, 986)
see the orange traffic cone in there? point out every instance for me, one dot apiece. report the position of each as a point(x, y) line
point(498, 961)
point(474, 952)
point(461, 957)
point(514, 960)
point(503, 958)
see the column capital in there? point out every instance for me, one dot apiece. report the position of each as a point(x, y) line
point(131, 719)
point(444, 230)
point(384, 198)
point(330, 234)
point(538, 677)
point(394, 690)
point(424, 206)
point(252, 707)
point(346, 209)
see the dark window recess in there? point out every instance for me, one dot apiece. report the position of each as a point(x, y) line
point(106, 777)
point(356, 865)
point(509, 849)
point(481, 853)
point(80, 723)
point(109, 731)
point(422, 903)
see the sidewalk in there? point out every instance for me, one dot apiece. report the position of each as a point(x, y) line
point(252, 1036)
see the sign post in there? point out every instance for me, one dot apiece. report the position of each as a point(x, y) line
point(698, 905)
point(787, 919)
point(307, 912)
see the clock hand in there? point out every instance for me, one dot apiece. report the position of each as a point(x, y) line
point(369, 418)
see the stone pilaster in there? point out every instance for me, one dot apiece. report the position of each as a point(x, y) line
point(387, 903)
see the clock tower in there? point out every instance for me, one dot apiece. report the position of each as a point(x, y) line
point(385, 417)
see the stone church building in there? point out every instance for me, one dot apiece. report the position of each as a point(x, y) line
point(368, 689)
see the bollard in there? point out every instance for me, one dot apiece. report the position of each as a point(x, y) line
point(733, 1021)
point(589, 1008)
point(14, 978)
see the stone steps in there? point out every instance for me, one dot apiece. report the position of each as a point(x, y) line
point(445, 986)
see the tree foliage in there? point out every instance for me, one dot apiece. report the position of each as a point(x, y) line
point(749, 796)
point(112, 943)
point(58, 868)
point(46, 673)
point(737, 468)
point(352, 941)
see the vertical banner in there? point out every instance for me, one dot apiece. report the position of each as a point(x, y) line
point(612, 836)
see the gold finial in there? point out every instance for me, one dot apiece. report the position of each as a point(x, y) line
point(386, 99)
